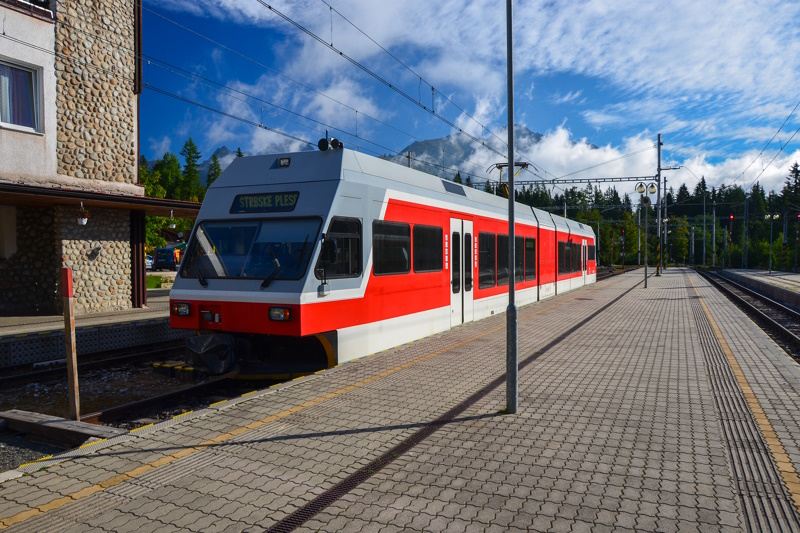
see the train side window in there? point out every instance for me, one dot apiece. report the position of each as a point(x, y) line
point(530, 258)
point(502, 259)
point(428, 248)
point(576, 257)
point(391, 248)
point(562, 257)
point(519, 259)
point(590, 254)
point(341, 250)
point(486, 260)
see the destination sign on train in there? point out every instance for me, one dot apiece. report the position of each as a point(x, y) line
point(268, 202)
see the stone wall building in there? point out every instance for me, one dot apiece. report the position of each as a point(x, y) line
point(69, 97)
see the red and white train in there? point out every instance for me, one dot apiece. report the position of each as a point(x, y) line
point(305, 260)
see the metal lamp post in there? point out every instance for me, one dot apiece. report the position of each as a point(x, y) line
point(771, 217)
point(645, 202)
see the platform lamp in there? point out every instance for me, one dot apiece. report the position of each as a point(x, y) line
point(641, 188)
point(771, 217)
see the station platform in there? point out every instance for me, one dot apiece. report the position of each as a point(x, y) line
point(652, 409)
point(783, 287)
point(28, 340)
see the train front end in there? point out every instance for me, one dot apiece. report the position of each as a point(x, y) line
point(248, 268)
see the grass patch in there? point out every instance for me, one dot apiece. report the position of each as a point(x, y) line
point(154, 282)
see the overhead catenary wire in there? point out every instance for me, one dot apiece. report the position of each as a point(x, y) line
point(260, 125)
point(164, 92)
point(414, 73)
point(222, 88)
point(277, 73)
point(767, 145)
point(292, 80)
point(378, 77)
point(775, 156)
point(186, 74)
point(229, 115)
point(328, 126)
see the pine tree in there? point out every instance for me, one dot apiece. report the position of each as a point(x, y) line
point(239, 152)
point(152, 189)
point(168, 170)
point(794, 178)
point(468, 183)
point(457, 179)
point(190, 187)
point(214, 170)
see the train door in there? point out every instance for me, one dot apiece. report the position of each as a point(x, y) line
point(462, 259)
point(584, 254)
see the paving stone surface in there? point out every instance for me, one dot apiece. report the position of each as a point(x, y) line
point(617, 430)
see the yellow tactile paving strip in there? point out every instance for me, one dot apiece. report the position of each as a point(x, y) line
point(785, 466)
point(143, 469)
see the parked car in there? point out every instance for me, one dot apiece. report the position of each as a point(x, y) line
point(148, 262)
point(165, 259)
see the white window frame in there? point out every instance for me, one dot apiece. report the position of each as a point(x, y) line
point(36, 79)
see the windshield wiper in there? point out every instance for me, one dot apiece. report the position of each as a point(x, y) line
point(274, 274)
point(279, 266)
point(201, 279)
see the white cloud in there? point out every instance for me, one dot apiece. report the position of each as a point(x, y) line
point(711, 76)
point(571, 97)
point(159, 147)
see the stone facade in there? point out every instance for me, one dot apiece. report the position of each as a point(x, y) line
point(99, 255)
point(29, 278)
point(86, 140)
point(96, 104)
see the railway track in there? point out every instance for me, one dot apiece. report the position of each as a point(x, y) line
point(167, 404)
point(780, 321)
point(606, 272)
point(10, 377)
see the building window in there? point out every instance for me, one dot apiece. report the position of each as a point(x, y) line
point(18, 96)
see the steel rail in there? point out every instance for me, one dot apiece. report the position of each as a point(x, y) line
point(106, 360)
point(764, 319)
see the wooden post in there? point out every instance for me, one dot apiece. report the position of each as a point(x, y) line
point(71, 351)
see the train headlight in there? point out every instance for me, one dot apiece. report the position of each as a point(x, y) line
point(181, 309)
point(280, 314)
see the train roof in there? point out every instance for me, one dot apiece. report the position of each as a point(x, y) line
point(351, 166)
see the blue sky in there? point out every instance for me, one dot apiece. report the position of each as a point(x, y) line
point(717, 79)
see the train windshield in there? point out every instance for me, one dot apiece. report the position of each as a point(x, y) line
point(262, 249)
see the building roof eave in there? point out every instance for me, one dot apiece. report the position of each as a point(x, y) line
point(37, 196)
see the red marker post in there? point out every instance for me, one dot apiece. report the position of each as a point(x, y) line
point(69, 337)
